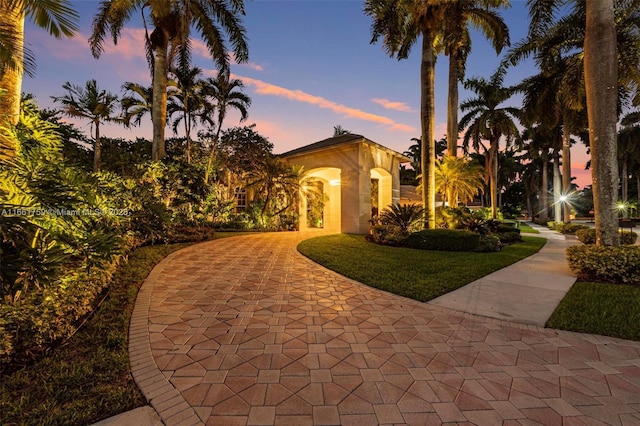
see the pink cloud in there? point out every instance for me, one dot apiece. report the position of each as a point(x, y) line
point(265, 88)
point(130, 44)
point(199, 48)
point(398, 106)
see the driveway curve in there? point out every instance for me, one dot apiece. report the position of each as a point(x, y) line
point(247, 331)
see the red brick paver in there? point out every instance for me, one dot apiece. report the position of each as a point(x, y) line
point(247, 331)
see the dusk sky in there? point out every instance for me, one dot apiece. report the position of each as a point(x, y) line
point(311, 67)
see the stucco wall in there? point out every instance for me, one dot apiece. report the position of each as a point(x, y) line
point(355, 162)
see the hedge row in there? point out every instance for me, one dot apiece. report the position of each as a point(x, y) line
point(588, 236)
point(52, 313)
point(605, 263)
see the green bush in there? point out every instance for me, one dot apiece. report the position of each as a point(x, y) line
point(387, 235)
point(50, 314)
point(489, 243)
point(444, 239)
point(571, 228)
point(509, 237)
point(605, 263)
point(588, 236)
point(628, 238)
point(507, 228)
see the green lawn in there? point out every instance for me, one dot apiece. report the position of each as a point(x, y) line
point(526, 228)
point(418, 274)
point(600, 308)
point(87, 378)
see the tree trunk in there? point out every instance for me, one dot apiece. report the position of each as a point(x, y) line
point(601, 82)
point(566, 171)
point(97, 149)
point(544, 191)
point(557, 188)
point(427, 115)
point(11, 79)
point(452, 108)
point(493, 176)
point(159, 107)
point(625, 187)
point(187, 127)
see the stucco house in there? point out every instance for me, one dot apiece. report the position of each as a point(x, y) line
point(356, 176)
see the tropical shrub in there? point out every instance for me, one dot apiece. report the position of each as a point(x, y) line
point(489, 243)
point(508, 237)
point(474, 223)
point(506, 227)
point(407, 217)
point(588, 236)
point(51, 314)
point(628, 238)
point(388, 235)
point(571, 228)
point(62, 234)
point(605, 263)
point(444, 239)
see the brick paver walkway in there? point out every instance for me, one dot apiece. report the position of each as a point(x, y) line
point(247, 331)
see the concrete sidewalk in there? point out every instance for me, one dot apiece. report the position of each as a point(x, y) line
point(526, 292)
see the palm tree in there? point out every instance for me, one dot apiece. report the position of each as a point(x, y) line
point(601, 81)
point(189, 102)
point(136, 103)
point(486, 120)
point(458, 179)
point(172, 21)
point(225, 93)
point(338, 130)
point(538, 150)
point(628, 152)
point(598, 25)
point(91, 103)
point(400, 23)
point(457, 45)
point(57, 18)
point(554, 99)
point(276, 183)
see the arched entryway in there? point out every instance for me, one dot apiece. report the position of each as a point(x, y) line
point(381, 190)
point(320, 196)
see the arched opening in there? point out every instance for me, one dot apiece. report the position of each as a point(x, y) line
point(381, 190)
point(321, 204)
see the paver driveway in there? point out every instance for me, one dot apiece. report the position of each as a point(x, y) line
point(247, 331)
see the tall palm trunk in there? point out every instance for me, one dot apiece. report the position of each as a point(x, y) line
point(452, 107)
point(159, 106)
point(493, 176)
point(187, 131)
point(544, 200)
point(97, 149)
point(213, 150)
point(11, 79)
point(601, 82)
point(624, 180)
point(428, 122)
point(566, 169)
point(557, 187)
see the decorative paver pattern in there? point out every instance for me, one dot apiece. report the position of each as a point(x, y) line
point(247, 331)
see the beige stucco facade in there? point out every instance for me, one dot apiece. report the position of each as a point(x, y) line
point(357, 177)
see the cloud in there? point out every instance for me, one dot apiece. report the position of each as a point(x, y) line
point(199, 48)
point(130, 44)
point(265, 88)
point(398, 106)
